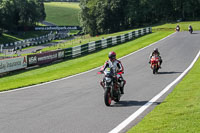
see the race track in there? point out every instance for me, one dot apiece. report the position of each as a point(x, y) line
point(75, 105)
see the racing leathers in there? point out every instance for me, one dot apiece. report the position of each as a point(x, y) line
point(190, 28)
point(158, 54)
point(118, 67)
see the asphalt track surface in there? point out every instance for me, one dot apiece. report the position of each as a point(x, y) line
point(75, 105)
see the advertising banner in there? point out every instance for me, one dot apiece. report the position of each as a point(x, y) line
point(61, 54)
point(32, 60)
point(44, 58)
point(47, 57)
point(13, 64)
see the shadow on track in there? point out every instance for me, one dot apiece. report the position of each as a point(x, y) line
point(168, 72)
point(132, 103)
point(195, 33)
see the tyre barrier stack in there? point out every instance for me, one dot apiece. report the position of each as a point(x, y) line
point(7, 65)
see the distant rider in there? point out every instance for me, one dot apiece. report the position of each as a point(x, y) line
point(156, 52)
point(113, 62)
point(178, 28)
point(190, 28)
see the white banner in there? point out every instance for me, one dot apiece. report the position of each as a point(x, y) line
point(7, 65)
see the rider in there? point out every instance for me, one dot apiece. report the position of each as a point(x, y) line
point(155, 51)
point(190, 28)
point(113, 62)
point(178, 28)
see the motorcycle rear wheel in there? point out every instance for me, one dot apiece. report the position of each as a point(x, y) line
point(107, 97)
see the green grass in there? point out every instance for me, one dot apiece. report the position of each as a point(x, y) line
point(83, 40)
point(183, 26)
point(180, 111)
point(5, 38)
point(9, 38)
point(62, 13)
point(56, 71)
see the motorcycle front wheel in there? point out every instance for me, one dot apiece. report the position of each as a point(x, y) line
point(117, 99)
point(107, 97)
point(154, 70)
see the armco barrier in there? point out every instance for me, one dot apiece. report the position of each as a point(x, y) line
point(30, 42)
point(36, 41)
point(73, 52)
point(104, 43)
point(68, 53)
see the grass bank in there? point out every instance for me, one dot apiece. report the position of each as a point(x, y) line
point(83, 40)
point(56, 71)
point(9, 38)
point(179, 112)
point(183, 26)
point(62, 13)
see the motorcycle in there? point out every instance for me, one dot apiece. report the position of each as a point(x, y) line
point(190, 30)
point(177, 29)
point(111, 86)
point(155, 64)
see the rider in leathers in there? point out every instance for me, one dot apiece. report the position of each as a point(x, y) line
point(190, 28)
point(178, 28)
point(155, 51)
point(113, 62)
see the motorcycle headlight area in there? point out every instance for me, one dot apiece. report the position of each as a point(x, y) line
point(108, 79)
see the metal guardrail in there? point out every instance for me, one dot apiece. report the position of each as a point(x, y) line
point(34, 41)
point(104, 43)
point(68, 53)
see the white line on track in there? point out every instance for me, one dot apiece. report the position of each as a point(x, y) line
point(122, 125)
point(131, 118)
point(82, 72)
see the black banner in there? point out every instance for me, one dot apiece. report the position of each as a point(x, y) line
point(45, 58)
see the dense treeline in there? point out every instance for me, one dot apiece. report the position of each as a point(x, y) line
point(107, 16)
point(20, 13)
point(60, 0)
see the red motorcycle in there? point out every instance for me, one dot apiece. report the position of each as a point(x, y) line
point(155, 64)
point(111, 86)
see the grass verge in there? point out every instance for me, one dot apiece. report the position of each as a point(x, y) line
point(183, 26)
point(62, 13)
point(83, 40)
point(180, 111)
point(71, 67)
point(9, 38)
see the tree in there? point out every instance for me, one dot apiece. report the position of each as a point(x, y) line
point(17, 13)
point(102, 16)
point(107, 16)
